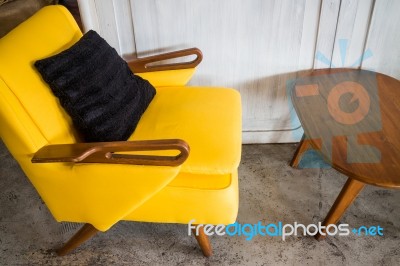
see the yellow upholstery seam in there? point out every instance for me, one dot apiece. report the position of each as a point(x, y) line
point(203, 189)
point(23, 107)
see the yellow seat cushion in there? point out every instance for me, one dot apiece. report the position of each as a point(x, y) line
point(177, 204)
point(208, 119)
point(168, 78)
point(201, 181)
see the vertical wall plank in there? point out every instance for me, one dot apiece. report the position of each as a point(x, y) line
point(309, 34)
point(351, 33)
point(124, 26)
point(326, 33)
point(112, 20)
point(107, 26)
point(384, 39)
point(88, 13)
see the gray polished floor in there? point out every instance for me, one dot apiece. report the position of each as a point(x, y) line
point(270, 192)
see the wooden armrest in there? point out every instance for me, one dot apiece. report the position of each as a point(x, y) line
point(104, 152)
point(140, 65)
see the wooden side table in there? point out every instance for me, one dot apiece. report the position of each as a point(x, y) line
point(353, 118)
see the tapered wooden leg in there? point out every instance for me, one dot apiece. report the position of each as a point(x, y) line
point(303, 146)
point(203, 240)
point(347, 195)
point(86, 232)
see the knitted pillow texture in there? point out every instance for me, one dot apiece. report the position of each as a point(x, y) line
point(97, 89)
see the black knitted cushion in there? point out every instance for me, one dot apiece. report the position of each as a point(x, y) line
point(98, 90)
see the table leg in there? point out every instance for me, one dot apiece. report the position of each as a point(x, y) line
point(347, 195)
point(303, 146)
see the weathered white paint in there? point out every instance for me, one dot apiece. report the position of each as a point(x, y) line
point(255, 46)
point(124, 23)
point(326, 33)
point(383, 38)
point(88, 15)
point(309, 35)
point(352, 28)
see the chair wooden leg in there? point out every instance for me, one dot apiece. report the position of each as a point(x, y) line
point(347, 195)
point(303, 146)
point(203, 240)
point(85, 233)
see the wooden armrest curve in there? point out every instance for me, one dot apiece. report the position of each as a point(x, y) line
point(104, 152)
point(140, 65)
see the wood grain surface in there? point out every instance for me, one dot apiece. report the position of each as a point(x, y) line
point(377, 132)
point(107, 152)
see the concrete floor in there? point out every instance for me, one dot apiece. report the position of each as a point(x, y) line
point(270, 191)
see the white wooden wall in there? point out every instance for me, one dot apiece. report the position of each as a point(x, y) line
point(256, 46)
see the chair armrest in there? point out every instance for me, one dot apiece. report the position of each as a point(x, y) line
point(104, 152)
point(140, 65)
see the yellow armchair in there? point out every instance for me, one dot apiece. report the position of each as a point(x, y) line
point(179, 165)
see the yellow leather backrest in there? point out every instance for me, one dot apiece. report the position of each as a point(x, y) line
point(31, 116)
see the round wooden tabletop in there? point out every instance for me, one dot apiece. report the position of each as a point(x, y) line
point(353, 117)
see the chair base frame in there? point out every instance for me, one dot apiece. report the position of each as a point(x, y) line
point(84, 234)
